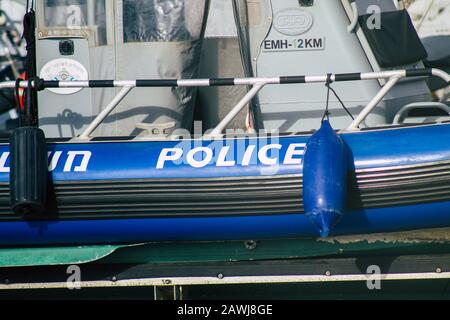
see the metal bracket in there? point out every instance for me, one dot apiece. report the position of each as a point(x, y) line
point(156, 131)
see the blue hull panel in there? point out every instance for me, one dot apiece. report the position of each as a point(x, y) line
point(145, 160)
point(103, 161)
point(433, 215)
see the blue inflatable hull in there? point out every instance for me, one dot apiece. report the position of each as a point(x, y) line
point(400, 185)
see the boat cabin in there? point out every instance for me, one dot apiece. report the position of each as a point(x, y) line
point(135, 39)
point(130, 39)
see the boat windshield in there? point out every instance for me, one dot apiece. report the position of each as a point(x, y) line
point(162, 20)
point(76, 14)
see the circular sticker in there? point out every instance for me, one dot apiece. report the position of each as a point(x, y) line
point(64, 70)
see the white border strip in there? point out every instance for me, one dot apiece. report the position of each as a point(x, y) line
point(189, 281)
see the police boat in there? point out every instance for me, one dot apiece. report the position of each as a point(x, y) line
point(358, 151)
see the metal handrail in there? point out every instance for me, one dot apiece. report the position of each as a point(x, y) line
point(257, 84)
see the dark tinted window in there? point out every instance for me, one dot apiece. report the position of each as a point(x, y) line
point(162, 20)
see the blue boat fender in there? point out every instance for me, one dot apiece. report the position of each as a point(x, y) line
point(325, 171)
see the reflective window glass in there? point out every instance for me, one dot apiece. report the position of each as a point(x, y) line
point(72, 14)
point(162, 20)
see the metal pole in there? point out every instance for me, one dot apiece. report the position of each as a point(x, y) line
point(217, 131)
point(425, 15)
point(373, 103)
point(441, 74)
point(91, 13)
point(102, 116)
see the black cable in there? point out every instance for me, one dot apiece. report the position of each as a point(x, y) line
point(28, 112)
point(342, 103)
point(328, 85)
point(29, 25)
point(28, 5)
point(327, 112)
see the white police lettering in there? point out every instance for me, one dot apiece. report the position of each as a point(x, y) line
point(248, 155)
point(53, 160)
point(74, 161)
point(200, 157)
point(296, 149)
point(3, 158)
point(221, 161)
point(171, 154)
point(263, 154)
point(208, 155)
point(82, 167)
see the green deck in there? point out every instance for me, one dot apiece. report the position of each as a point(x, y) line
point(421, 242)
point(399, 244)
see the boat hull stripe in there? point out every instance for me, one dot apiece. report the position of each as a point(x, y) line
point(292, 79)
point(51, 84)
point(101, 84)
point(221, 82)
point(419, 72)
point(157, 83)
point(347, 77)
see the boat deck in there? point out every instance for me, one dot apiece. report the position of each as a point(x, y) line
point(297, 268)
